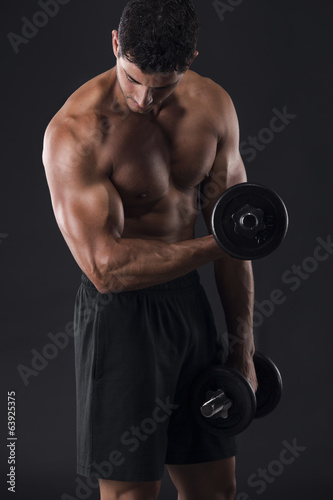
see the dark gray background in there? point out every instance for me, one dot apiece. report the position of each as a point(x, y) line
point(266, 55)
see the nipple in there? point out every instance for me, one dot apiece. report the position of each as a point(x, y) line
point(144, 194)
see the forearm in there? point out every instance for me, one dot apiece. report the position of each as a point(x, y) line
point(234, 280)
point(136, 263)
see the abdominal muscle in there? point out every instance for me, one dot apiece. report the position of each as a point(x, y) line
point(168, 220)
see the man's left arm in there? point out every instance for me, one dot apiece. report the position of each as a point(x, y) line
point(234, 278)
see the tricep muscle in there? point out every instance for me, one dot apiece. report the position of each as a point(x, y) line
point(87, 206)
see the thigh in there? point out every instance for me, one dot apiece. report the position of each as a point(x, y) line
point(188, 442)
point(128, 384)
point(129, 490)
point(205, 481)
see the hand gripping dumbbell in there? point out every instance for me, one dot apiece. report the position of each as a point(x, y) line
point(224, 402)
point(249, 221)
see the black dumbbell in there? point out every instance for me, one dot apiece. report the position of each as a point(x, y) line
point(249, 221)
point(224, 402)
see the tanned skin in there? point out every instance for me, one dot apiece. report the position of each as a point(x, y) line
point(124, 158)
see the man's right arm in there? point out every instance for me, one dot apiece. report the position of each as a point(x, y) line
point(90, 215)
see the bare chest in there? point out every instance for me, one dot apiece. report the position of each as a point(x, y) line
point(151, 158)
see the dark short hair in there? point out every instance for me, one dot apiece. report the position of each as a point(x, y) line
point(159, 36)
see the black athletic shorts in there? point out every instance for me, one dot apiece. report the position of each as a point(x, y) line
point(136, 355)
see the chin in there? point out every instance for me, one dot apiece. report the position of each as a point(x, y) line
point(136, 109)
point(144, 111)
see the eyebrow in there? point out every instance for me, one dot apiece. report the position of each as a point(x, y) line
point(135, 81)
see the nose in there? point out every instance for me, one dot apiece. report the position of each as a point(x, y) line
point(144, 97)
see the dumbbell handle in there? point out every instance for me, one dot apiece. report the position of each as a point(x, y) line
point(218, 405)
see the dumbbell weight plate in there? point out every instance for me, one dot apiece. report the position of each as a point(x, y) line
point(237, 389)
point(249, 221)
point(269, 390)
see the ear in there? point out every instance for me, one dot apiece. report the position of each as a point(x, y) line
point(196, 53)
point(115, 43)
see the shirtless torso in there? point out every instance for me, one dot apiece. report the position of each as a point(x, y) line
point(155, 162)
point(139, 172)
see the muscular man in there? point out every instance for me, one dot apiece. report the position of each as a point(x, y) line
point(124, 158)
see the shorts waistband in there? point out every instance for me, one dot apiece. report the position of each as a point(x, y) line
point(185, 282)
